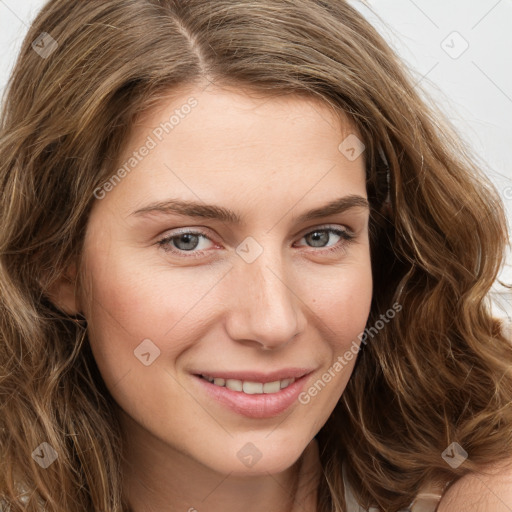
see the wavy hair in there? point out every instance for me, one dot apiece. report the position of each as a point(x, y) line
point(438, 373)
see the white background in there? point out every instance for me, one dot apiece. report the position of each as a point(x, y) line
point(473, 84)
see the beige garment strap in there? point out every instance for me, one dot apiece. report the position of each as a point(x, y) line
point(427, 500)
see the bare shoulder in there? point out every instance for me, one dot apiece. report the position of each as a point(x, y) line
point(489, 490)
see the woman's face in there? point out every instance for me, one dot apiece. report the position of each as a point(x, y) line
point(256, 285)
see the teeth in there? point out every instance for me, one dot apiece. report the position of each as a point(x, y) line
point(251, 388)
point(233, 384)
point(272, 387)
point(248, 387)
point(286, 382)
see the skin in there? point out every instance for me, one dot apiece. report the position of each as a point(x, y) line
point(269, 159)
point(487, 490)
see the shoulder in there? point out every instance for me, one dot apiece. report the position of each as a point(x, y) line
point(488, 490)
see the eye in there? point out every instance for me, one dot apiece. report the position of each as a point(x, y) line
point(320, 236)
point(190, 241)
point(186, 241)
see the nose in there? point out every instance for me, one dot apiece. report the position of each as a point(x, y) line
point(265, 309)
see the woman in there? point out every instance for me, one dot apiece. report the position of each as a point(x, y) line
point(244, 267)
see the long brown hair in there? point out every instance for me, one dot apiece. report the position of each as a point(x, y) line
point(437, 373)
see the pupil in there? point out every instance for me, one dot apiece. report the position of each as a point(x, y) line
point(188, 239)
point(319, 236)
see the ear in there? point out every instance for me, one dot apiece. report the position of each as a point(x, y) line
point(63, 292)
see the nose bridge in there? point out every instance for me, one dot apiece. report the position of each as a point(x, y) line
point(266, 309)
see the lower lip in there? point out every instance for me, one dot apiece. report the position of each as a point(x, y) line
point(260, 405)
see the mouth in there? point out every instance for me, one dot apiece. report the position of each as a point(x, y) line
point(254, 395)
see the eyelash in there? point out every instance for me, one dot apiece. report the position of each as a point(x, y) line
point(346, 236)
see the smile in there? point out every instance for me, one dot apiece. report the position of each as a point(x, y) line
point(253, 394)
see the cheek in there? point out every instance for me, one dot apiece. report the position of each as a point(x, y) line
point(342, 301)
point(128, 302)
point(341, 307)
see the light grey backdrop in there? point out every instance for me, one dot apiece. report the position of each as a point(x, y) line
point(460, 50)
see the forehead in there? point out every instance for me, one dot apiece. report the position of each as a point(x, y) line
point(225, 141)
point(245, 99)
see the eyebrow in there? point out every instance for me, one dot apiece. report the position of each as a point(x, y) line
point(209, 211)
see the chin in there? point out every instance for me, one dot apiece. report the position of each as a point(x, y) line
point(255, 454)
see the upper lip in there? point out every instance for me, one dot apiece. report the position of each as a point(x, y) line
point(254, 376)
